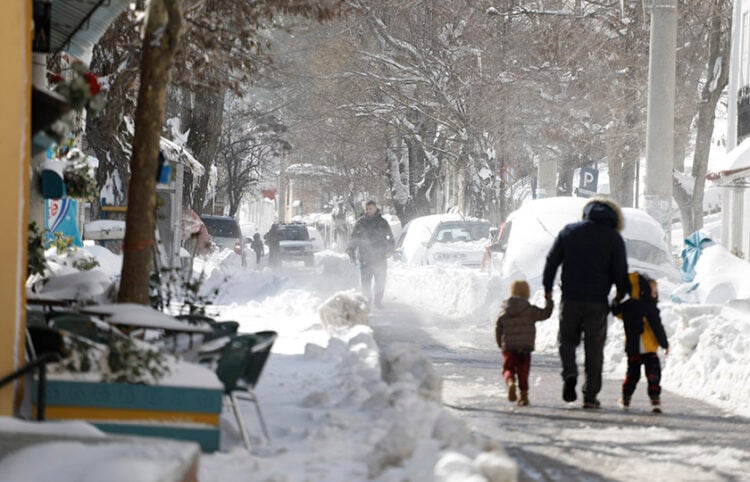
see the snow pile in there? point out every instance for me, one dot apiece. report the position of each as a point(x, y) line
point(226, 280)
point(76, 461)
point(339, 409)
point(721, 276)
point(344, 309)
point(449, 290)
point(709, 354)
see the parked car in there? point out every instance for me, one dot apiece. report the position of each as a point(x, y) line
point(226, 234)
point(297, 244)
point(522, 244)
point(443, 239)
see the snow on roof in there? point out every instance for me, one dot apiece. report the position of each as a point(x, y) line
point(176, 153)
point(736, 164)
point(308, 169)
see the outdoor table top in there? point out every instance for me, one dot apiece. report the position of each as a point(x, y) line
point(48, 299)
point(140, 316)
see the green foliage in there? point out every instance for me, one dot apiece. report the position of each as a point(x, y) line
point(168, 286)
point(35, 260)
point(63, 244)
point(128, 363)
point(80, 183)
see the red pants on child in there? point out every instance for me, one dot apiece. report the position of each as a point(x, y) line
point(650, 362)
point(517, 363)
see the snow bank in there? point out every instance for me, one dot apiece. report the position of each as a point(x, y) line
point(227, 281)
point(79, 462)
point(339, 409)
point(344, 309)
point(450, 290)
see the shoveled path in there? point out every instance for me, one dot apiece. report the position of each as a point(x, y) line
point(554, 441)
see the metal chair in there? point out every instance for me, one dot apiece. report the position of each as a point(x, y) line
point(239, 369)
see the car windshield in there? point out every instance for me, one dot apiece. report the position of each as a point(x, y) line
point(222, 227)
point(645, 252)
point(462, 232)
point(294, 233)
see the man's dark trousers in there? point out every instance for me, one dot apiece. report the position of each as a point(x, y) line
point(368, 271)
point(590, 321)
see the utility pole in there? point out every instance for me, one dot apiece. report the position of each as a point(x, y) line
point(660, 123)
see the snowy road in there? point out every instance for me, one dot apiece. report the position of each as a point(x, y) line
point(551, 441)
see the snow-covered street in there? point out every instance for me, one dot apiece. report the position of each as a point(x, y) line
point(333, 415)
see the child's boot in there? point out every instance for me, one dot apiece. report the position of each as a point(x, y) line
point(524, 399)
point(624, 402)
point(656, 405)
point(512, 397)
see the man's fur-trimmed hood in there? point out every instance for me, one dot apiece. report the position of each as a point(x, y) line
point(602, 210)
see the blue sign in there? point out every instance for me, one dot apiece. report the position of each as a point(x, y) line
point(589, 181)
point(60, 217)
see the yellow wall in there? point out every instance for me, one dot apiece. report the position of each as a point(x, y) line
point(15, 144)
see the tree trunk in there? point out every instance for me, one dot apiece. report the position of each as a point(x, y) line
point(203, 140)
point(718, 47)
point(159, 45)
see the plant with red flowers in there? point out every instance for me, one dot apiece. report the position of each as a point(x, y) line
point(81, 89)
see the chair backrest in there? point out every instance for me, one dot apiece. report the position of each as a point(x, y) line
point(80, 325)
point(195, 319)
point(243, 359)
point(261, 351)
point(222, 329)
point(235, 356)
point(46, 341)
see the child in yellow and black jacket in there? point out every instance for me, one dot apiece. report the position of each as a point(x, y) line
point(644, 333)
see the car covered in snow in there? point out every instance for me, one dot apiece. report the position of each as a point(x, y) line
point(526, 237)
point(296, 243)
point(443, 239)
point(225, 233)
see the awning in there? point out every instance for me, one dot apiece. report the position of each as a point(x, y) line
point(736, 165)
point(76, 25)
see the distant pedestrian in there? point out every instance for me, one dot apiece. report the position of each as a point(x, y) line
point(273, 241)
point(644, 334)
point(257, 247)
point(371, 243)
point(592, 254)
point(515, 333)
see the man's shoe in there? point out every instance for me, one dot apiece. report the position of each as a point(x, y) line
point(592, 404)
point(569, 389)
point(523, 400)
point(512, 396)
point(655, 405)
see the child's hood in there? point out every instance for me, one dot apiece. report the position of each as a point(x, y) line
point(515, 305)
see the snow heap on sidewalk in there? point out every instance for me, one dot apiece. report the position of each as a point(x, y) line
point(340, 409)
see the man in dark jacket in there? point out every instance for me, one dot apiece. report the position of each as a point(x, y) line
point(372, 242)
point(593, 256)
point(273, 241)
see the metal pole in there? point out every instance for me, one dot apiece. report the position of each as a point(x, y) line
point(660, 123)
point(727, 195)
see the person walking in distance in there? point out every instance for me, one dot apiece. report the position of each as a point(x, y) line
point(371, 243)
point(257, 247)
point(273, 241)
point(592, 255)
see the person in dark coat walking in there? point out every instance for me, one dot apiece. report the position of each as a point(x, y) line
point(515, 333)
point(593, 258)
point(273, 241)
point(371, 243)
point(257, 247)
point(644, 334)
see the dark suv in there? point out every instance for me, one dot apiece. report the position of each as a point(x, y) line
point(296, 244)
